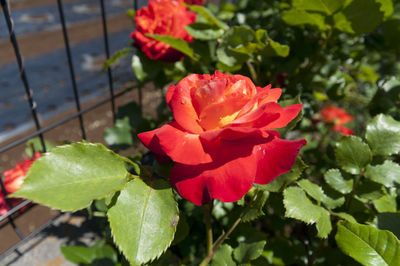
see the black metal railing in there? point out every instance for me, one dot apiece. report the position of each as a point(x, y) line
point(15, 210)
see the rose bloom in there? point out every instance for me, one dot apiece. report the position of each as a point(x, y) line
point(3, 205)
point(195, 2)
point(14, 178)
point(162, 17)
point(338, 117)
point(222, 139)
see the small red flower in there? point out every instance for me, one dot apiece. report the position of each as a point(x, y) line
point(162, 17)
point(338, 117)
point(222, 139)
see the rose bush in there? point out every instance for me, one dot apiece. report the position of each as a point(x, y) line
point(338, 117)
point(222, 139)
point(162, 17)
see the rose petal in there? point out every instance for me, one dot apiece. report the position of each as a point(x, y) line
point(286, 115)
point(276, 158)
point(150, 140)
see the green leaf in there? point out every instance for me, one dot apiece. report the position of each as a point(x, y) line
point(137, 67)
point(368, 245)
point(386, 174)
point(325, 6)
point(276, 49)
point(298, 206)
point(246, 252)
point(386, 7)
point(35, 145)
point(352, 154)
point(202, 31)
point(254, 210)
point(386, 203)
point(345, 216)
point(119, 136)
point(176, 43)
point(88, 255)
point(117, 56)
point(208, 16)
point(282, 181)
point(143, 220)
point(70, 177)
point(369, 190)
point(352, 18)
point(223, 256)
point(335, 179)
point(383, 135)
point(315, 191)
point(389, 221)
point(295, 17)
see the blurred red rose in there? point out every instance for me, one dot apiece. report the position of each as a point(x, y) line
point(3, 205)
point(338, 117)
point(162, 17)
point(221, 138)
point(195, 2)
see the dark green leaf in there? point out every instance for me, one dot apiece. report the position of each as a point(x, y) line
point(389, 221)
point(176, 43)
point(246, 252)
point(87, 255)
point(335, 179)
point(119, 136)
point(386, 174)
point(70, 177)
point(203, 31)
point(143, 220)
point(276, 49)
point(208, 16)
point(370, 190)
point(223, 256)
point(35, 145)
point(325, 6)
point(383, 135)
point(352, 154)
point(368, 245)
point(254, 210)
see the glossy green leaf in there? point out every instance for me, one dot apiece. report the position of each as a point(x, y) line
point(70, 177)
point(315, 191)
point(246, 252)
point(386, 174)
point(202, 31)
point(176, 43)
point(223, 256)
point(352, 154)
point(295, 17)
point(300, 207)
point(282, 181)
point(143, 220)
point(368, 245)
point(254, 210)
point(119, 135)
point(208, 16)
point(383, 135)
point(335, 179)
point(352, 18)
point(324, 6)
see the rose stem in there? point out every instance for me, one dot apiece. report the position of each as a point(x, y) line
point(207, 208)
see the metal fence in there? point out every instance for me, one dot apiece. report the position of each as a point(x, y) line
point(15, 209)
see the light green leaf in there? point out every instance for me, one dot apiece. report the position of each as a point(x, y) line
point(383, 135)
point(116, 57)
point(386, 7)
point(352, 154)
point(246, 252)
point(208, 16)
point(143, 220)
point(315, 191)
point(137, 68)
point(223, 256)
point(325, 6)
point(345, 216)
point(386, 203)
point(70, 177)
point(298, 206)
point(176, 43)
point(202, 31)
point(119, 135)
point(368, 245)
point(297, 17)
point(335, 179)
point(255, 209)
point(276, 49)
point(282, 181)
point(386, 174)
point(352, 18)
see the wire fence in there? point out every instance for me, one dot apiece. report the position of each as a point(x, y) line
point(15, 210)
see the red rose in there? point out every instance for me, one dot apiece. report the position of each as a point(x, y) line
point(14, 178)
point(338, 117)
point(3, 205)
point(162, 17)
point(221, 139)
point(195, 2)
